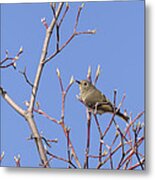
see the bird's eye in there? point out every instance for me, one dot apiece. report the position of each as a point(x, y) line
point(85, 84)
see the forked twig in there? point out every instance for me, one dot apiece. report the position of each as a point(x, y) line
point(12, 59)
point(75, 33)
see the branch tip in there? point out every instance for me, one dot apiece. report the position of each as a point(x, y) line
point(89, 72)
point(6, 52)
point(58, 72)
point(21, 50)
point(27, 103)
point(82, 5)
point(67, 5)
point(72, 80)
point(92, 31)
point(43, 21)
point(2, 155)
point(104, 153)
point(98, 70)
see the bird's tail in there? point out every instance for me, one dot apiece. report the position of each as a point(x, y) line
point(123, 116)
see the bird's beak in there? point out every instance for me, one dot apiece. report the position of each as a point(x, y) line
point(77, 81)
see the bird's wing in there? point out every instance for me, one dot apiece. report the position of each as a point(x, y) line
point(93, 97)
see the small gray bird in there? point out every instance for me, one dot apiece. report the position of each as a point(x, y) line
point(97, 101)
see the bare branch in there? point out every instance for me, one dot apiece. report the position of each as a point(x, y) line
point(12, 59)
point(97, 74)
point(111, 154)
point(86, 163)
point(57, 27)
point(98, 125)
point(133, 121)
point(40, 111)
point(75, 33)
point(42, 58)
point(11, 102)
point(68, 145)
point(60, 80)
point(77, 17)
point(65, 12)
point(137, 165)
point(95, 156)
point(123, 152)
point(131, 151)
point(60, 158)
point(136, 132)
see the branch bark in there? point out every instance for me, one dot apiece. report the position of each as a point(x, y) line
point(11, 102)
point(43, 57)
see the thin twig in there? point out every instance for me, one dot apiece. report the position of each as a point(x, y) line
point(133, 121)
point(77, 18)
point(96, 156)
point(65, 12)
point(136, 147)
point(60, 158)
point(68, 146)
point(86, 163)
point(112, 119)
point(57, 27)
point(112, 153)
point(110, 150)
point(97, 74)
point(25, 77)
point(136, 165)
point(131, 151)
point(98, 125)
point(123, 152)
point(39, 111)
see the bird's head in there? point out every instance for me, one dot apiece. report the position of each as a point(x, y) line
point(84, 86)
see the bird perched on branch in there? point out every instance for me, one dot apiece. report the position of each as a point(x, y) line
point(97, 101)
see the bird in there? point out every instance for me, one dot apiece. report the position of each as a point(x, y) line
point(94, 99)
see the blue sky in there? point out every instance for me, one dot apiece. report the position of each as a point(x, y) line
point(118, 46)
